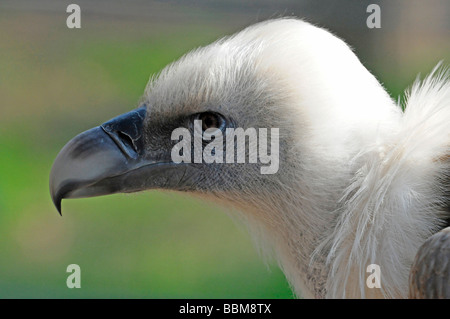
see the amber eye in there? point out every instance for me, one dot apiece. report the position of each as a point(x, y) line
point(211, 120)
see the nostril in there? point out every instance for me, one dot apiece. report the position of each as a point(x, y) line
point(126, 140)
point(126, 131)
point(123, 141)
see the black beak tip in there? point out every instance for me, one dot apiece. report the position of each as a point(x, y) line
point(58, 207)
point(57, 199)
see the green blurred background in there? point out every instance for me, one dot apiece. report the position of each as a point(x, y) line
point(56, 82)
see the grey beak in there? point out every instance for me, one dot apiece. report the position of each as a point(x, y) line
point(102, 160)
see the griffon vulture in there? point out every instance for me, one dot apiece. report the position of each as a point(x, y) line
point(360, 182)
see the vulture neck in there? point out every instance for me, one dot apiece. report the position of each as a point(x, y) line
point(330, 215)
point(324, 237)
point(357, 182)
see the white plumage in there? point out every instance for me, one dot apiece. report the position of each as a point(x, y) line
point(360, 164)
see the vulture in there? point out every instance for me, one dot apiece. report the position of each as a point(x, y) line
point(357, 201)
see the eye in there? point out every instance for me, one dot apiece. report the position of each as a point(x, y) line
point(211, 120)
point(211, 124)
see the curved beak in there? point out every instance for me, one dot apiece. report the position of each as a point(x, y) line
point(103, 160)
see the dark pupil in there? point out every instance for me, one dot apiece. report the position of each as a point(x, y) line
point(209, 121)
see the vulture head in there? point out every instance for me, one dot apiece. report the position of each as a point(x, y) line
point(333, 175)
